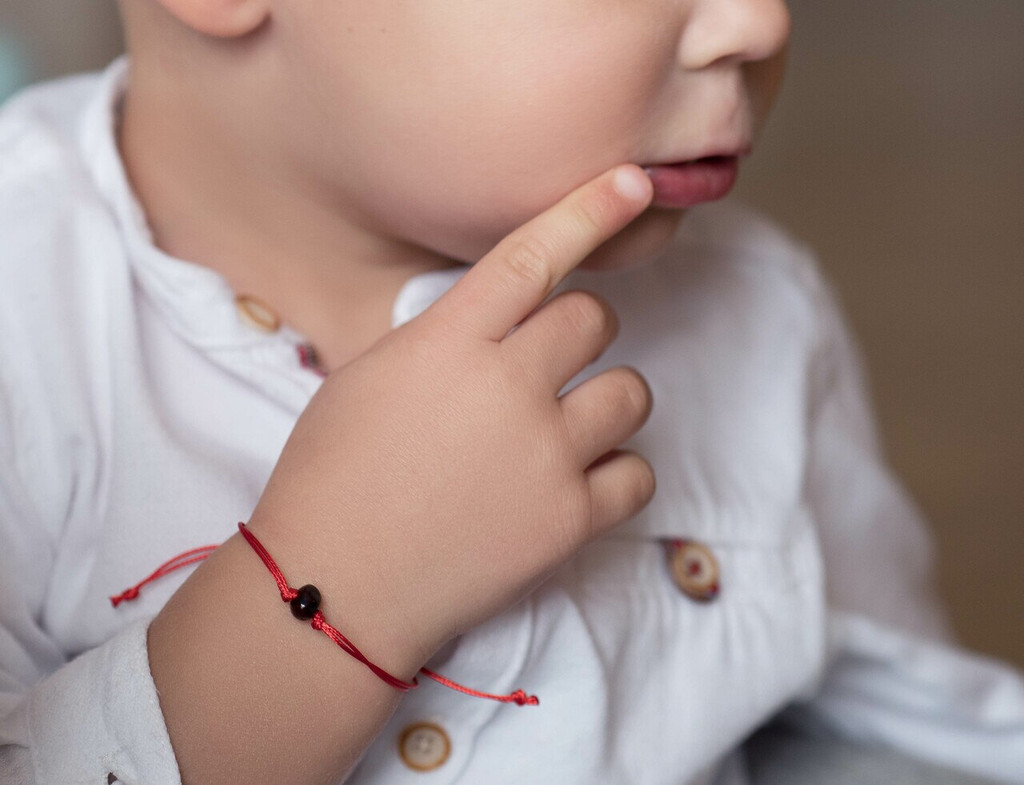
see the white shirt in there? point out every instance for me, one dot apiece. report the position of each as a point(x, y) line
point(140, 417)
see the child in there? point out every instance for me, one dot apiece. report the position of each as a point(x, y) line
point(459, 465)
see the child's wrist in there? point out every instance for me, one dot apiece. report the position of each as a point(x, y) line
point(356, 597)
point(240, 602)
point(227, 650)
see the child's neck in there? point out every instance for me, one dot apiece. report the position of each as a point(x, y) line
point(208, 203)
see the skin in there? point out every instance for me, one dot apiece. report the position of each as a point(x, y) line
point(320, 153)
point(367, 142)
point(415, 524)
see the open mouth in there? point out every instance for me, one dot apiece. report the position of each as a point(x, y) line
point(688, 183)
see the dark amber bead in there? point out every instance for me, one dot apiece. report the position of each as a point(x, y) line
point(306, 602)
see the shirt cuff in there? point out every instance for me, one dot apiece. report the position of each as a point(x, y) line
point(100, 715)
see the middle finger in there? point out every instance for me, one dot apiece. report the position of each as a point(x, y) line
point(563, 336)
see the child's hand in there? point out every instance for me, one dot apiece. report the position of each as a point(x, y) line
point(438, 478)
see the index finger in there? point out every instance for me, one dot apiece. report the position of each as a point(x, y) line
point(507, 284)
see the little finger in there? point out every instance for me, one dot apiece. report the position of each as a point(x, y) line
point(622, 483)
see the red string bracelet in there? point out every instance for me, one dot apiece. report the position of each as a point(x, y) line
point(305, 605)
point(181, 560)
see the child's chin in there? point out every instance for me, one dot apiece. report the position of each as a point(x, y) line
point(638, 244)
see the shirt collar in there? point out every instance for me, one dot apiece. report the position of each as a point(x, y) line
point(196, 300)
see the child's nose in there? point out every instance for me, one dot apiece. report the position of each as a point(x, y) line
point(733, 30)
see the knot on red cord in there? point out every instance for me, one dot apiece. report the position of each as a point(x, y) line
point(127, 594)
point(306, 600)
point(520, 698)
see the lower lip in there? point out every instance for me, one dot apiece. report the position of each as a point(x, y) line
point(687, 184)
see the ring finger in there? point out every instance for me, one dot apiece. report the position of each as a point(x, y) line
point(602, 412)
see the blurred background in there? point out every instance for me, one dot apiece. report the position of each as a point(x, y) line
point(896, 151)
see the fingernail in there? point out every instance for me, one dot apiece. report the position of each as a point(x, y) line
point(632, 183)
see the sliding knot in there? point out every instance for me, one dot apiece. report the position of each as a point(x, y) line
point(520, 698)
point(127, 594)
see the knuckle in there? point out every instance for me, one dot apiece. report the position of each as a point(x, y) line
point(589, 313)
point(528, 260)
point(646, 483)
point(597, 211)
point(589, 216)
point(635, 392)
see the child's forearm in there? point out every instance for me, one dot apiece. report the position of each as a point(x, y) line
point(250, 694)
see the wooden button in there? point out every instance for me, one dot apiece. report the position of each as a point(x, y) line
point(257, 313)
point(424, 746)
point(695, 570)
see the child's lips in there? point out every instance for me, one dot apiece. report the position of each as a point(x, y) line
point(687, 183)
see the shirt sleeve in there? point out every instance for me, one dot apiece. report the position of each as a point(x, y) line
point(77, 721)
point(895, 677)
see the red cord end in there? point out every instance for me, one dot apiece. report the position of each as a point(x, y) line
point(127, 594)
point(520, 698)
point(317, 622)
